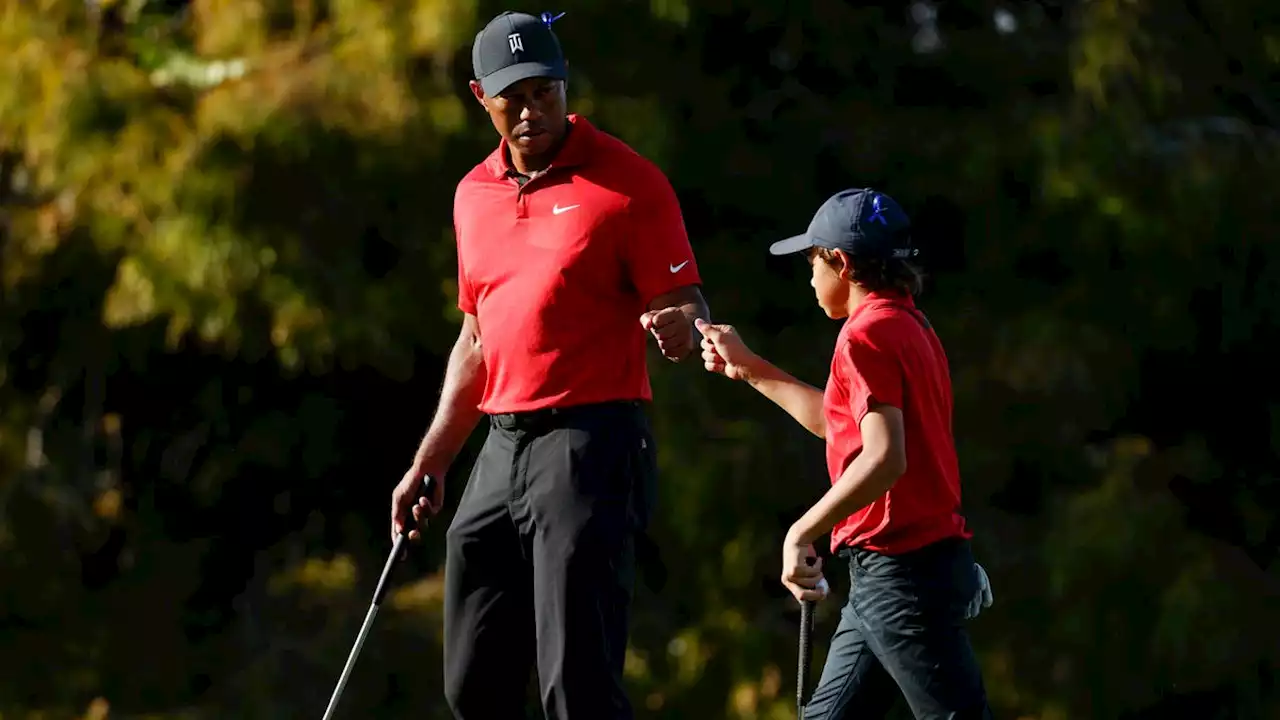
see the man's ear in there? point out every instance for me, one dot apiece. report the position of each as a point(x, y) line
point(477, 91)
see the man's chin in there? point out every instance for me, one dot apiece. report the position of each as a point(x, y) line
point(533, 144)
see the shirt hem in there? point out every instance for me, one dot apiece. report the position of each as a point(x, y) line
point(561, 403)
point(906, 546)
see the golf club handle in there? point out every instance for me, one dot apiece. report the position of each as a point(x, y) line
point(425, 490)
point(806, 655)
point(397, 550)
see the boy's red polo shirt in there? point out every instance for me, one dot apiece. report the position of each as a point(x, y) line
point(558, 272)
point(887, 353)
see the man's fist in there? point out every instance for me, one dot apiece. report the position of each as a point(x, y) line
point(406, 499)
point(724, 352)
point(672, 329)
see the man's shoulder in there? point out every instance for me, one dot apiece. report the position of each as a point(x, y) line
point(481, 172)
point(626, 163)
point(464, 193)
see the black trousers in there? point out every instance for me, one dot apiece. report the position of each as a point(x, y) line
point(901, 635)
point(540, 563)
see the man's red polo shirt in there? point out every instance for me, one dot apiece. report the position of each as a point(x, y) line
point(559, 271)
point(887, 353)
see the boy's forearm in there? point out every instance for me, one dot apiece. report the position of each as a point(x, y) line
point(458, 411)
point(801, 400)
point(864, 481)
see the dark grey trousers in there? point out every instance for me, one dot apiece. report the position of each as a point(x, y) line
point(901, 635)
point(540, 563)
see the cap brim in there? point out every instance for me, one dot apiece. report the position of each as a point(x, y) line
point(495, 83)
point(796, 244)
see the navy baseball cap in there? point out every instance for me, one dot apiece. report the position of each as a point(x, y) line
point(514, 47)
point(862, 222)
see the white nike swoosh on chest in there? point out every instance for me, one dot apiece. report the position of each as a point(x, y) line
point(556, 210)
point(676, 268)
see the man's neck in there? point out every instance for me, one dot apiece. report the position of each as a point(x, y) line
point(530, 164)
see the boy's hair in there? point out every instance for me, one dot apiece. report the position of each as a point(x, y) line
point(879, 274)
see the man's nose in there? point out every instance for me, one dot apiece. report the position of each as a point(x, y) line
point(530, 112)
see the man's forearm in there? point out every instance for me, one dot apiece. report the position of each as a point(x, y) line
point(801, 400)
point(695, 310)
point(458, 411)
point(864, 481)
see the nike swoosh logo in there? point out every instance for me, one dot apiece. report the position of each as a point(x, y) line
point(676, 268)
point(557, 209)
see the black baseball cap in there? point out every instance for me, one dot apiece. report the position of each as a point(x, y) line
point(514, 47)
point(863, 222)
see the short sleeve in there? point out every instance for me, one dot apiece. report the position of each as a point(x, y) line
point(874, 373)
point(466, 296)
point(656, 248)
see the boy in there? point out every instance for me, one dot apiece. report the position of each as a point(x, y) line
point(894, 506)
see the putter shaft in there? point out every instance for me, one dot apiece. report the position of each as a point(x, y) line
point(383, 583)
point(364, 628)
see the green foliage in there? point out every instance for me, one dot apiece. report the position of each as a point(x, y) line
point(226, 267)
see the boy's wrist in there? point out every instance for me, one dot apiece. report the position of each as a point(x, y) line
point(797, 536)
point(754, 370)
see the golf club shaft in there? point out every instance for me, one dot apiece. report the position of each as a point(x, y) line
point(364, 628)
point(383, 583)
point(351, 661)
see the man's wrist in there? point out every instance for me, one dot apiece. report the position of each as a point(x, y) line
point(429, 464)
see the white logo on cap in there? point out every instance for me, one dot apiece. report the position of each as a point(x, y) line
point(517, 45)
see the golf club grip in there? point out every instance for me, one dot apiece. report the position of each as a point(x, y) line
point(425, 491)
point(397, 550)
point(805, 657)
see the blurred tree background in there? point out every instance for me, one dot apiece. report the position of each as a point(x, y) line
point(227, 277)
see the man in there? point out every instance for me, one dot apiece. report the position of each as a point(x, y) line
point(571, 251)
point(893, 509)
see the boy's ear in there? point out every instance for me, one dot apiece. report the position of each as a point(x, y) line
point(844, 267)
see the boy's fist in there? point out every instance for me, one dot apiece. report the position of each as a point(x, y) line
point(724, 352)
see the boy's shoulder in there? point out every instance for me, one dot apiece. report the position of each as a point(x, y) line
point(875, 325)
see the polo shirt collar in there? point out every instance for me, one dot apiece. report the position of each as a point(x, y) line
point(575, 151)
point(884, 297)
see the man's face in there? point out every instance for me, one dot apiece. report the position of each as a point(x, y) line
point(531, 114)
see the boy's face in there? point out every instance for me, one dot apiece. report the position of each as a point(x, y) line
point(831, 282)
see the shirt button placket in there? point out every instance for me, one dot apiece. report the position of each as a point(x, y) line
point(522, 204)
